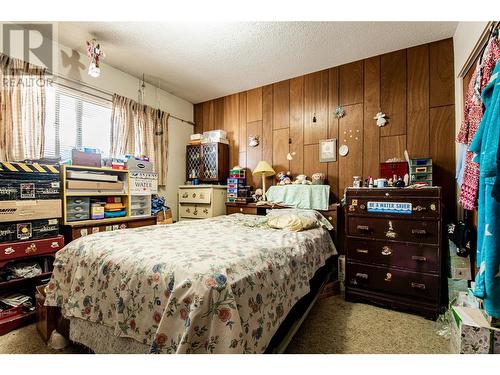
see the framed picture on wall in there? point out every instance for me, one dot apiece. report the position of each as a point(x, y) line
point(327, 150)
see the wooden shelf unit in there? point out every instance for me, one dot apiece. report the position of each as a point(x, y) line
point(123, 176)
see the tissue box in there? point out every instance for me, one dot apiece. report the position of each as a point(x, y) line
point(471, 332)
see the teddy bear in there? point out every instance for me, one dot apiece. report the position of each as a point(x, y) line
point(284, 178)
point(301, 179)
point(318, 178)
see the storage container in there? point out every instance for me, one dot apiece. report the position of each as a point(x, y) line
point(29, 230)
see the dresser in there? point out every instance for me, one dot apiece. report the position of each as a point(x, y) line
point(394, 250)
point(201, 201)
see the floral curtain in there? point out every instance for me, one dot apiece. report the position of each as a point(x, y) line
point(138, 129)
point(22, 109)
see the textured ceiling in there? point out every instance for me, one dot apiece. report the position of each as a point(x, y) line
point(201, 61)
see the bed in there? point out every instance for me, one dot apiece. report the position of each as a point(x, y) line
point(219, 285)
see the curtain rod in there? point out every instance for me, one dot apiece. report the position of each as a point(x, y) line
point(105, 92)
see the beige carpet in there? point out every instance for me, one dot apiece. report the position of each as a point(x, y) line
point(333, 326)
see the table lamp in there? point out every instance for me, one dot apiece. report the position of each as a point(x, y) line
point(265, 170)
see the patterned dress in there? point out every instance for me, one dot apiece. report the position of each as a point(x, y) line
point(473, 113)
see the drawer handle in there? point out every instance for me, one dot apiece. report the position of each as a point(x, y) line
point(419, 208)
point(418, 231)
point(363, 251)
point(388, 276)
point(418, 286)
point(31, 249)
point(363, 227)
point(362, 275)
point(185, 195)
point(386, 250)
point(54, 245)
point(419, 258)
point(241, 209)
point(194, 195)
point(9, 250)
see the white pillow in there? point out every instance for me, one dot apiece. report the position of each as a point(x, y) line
point(302, 213)
point(293, 223)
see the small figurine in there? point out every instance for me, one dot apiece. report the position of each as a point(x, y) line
point(301, 179)
point(381, 120)
point(318, 178)
point(284, 178)
point(400, 183)
point(258, 195)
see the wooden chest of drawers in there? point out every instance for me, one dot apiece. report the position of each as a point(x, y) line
point(201, 201)
point(394, 255)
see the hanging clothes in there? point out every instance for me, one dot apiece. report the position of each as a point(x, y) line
point(473, 112)
point(485, 146)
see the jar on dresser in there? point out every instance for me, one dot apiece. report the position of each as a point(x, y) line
point(394, 250)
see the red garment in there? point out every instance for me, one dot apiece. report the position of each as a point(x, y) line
point(473, 113)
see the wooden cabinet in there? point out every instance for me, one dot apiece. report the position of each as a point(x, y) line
point(394, 255)
point(201, 201)
point(208, 162)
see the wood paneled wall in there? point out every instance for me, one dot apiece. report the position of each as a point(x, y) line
point(414, 87)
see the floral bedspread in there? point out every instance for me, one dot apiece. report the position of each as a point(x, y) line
point(210, 286)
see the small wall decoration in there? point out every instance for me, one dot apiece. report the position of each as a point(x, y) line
point(381, 119)
point(290, 155)
point(327, 150)
point(339, 112)
point(253, 141)
point(95, 54)
point(343, 150)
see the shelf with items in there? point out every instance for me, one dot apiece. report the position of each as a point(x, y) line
point(30, 197)
point(95, 195)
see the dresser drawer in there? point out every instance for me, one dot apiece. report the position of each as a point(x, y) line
point(14, 250)
point(416, 257)
point(195, 211)
point(241, 210)
point(394, 229)
point(196, 195)
point(392, 281)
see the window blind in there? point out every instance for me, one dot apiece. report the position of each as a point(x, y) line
point(75, 120)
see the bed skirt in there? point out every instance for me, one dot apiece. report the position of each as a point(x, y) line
point(101, 339)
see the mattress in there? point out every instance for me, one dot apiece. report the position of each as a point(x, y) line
point(220, 285)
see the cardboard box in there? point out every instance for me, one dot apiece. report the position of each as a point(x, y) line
point(471, 333)
point(30, 209)
point(94, 185)
point(139, 165)
point(87, 159)
point(143, 183)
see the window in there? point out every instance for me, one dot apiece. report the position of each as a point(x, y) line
point(75, 120)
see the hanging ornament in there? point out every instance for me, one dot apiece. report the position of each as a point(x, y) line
point(339, 112)
point(381, 120)
point(141, 91)
point(290, 155)
point(95, 54)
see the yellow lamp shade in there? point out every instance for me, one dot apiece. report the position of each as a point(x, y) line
point(263, 169)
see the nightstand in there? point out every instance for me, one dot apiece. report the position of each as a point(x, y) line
point(249, 208)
